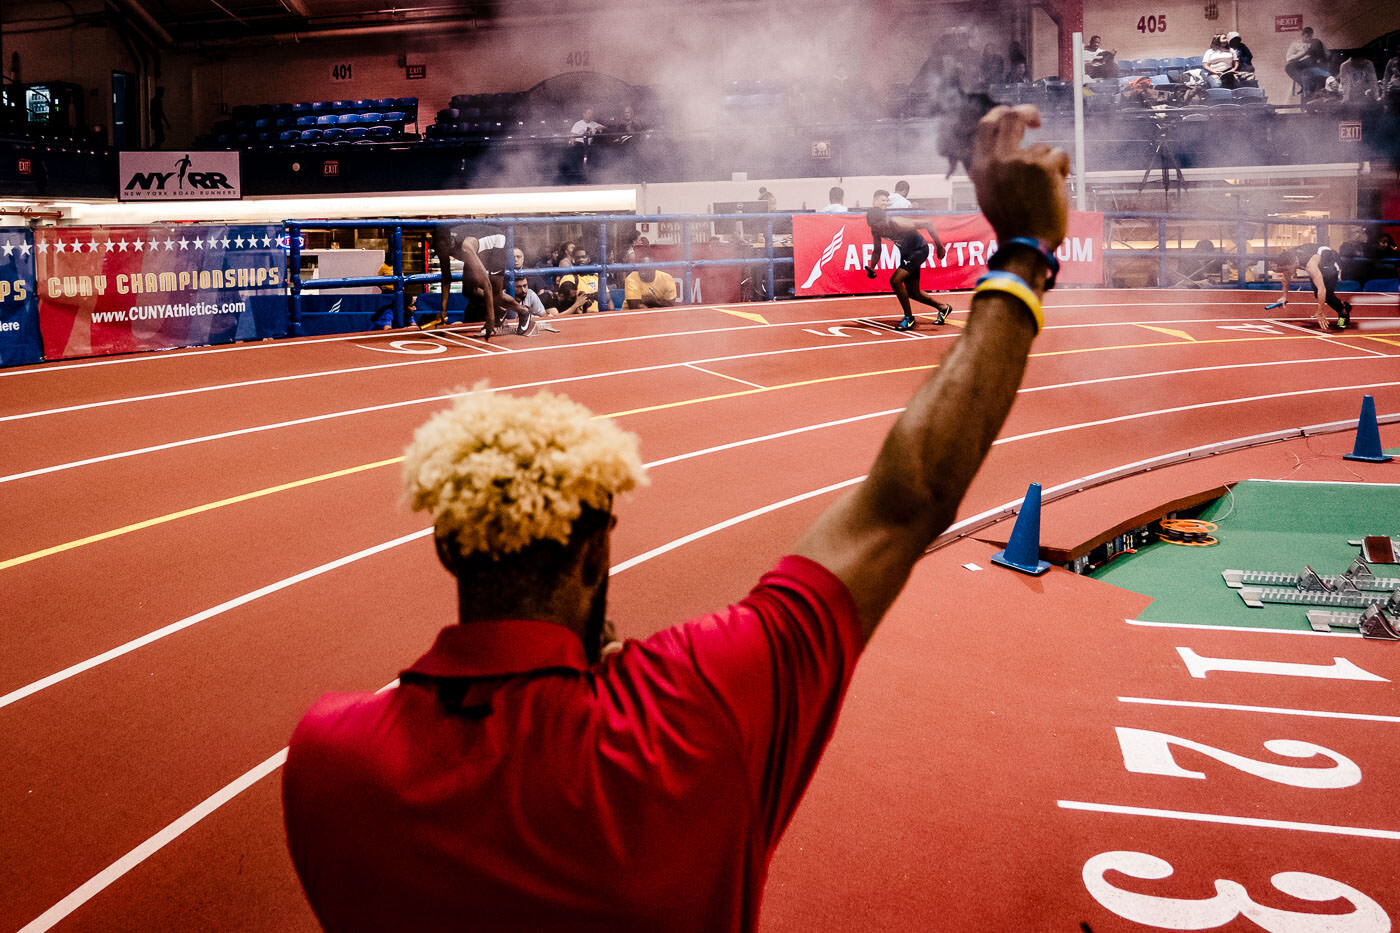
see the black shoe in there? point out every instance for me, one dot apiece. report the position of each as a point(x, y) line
point(906, 324)
point(1344, 316)
point(943, 312)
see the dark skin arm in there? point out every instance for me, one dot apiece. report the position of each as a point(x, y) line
point(872, 537)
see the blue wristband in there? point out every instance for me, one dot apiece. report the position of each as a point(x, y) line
point(1052, 264)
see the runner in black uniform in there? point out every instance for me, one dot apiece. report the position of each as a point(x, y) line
point(482, 250)
point(913, 250)
point(1324, 270)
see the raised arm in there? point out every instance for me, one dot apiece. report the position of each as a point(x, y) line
point(871, 538)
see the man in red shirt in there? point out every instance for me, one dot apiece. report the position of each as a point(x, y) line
point(517, 779)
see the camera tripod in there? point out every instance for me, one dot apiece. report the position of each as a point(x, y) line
point(1161, 154)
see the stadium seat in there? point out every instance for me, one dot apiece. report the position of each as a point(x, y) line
point(306, 120)
point(383, 132)
point(1382, 285)
point(1219, 95)
point(301, 108)
point(372, 116)
point(1152, 65)
point(310, 136)
point(1249, 95)
point(393, 116)
point(1177, 64)
point(334, 134)
point(343, 106)
point(290, 136)
point(1348, 285)
point(356, 133)
point(1194, 61)
point(327, 119)
point(383, 103)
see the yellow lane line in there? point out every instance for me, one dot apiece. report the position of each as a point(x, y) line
point(194, 510)
point(1180, 334)
point(1393, 343)
point(746, 315)
point(233, 500)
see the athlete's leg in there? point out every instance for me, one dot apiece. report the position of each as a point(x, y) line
point(911, 273)
point(897, 286)
point(476, 279)
point(442, 249)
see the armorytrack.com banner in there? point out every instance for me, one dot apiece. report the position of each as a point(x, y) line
point(830, 252)
point(126, 289)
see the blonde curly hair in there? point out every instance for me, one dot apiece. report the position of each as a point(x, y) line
point(499, 472)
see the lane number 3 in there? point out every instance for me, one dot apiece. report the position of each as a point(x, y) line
point(1231, 900)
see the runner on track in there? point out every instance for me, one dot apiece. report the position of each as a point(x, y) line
point(913, 250)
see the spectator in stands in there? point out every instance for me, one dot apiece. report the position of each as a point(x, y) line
point(1099, 62)
point(769, 198)
point(529, 320)
point(1244, 60)
point(536, 283)
point(159, 122)
point(1016, 73)
point(899, 201)
point(629, 126)
point(835, 202)
point(650, 288)
point(1385, 248)
point(1219, 63)
point(1357, 77)
point(1305, 63)
point(581, 287)
point(526, 774)
point(585, 128)
point(1390, 81)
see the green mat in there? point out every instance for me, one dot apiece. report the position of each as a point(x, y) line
point(1263, 526)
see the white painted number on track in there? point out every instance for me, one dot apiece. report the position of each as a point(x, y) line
point(408, 346)
point(840, 330)
point(1231, 900)
point(1339, 669)
point(1146, 752)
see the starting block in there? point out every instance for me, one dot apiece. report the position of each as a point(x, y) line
point(1378, 549)
point(1373, 622)
point(1355, 588)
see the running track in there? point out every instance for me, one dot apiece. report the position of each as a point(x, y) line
point(197, 544)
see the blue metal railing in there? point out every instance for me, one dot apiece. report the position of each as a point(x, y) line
point(1240, 226)
point(687, 263)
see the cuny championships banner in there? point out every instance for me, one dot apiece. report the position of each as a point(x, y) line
point(124, 289)
point(19, 322)
point(830, 252)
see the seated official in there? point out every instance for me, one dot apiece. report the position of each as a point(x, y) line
point(650, 288)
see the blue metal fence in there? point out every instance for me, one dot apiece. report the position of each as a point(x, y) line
point(1242, 255)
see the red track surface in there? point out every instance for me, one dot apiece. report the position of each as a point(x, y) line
point(986, 701)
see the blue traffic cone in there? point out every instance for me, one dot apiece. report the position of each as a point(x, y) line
point(1368, 435)
point(1023, 550)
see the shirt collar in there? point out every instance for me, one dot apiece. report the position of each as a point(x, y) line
point(500, 647)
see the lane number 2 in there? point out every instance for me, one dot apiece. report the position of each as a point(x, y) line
point(1231, 900)
point(1146, 752)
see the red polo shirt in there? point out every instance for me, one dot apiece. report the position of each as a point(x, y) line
point(506, 785)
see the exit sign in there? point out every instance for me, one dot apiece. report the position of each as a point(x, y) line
point(25, 167)
point(330, 167)
point(1293, 22)
point(1349, 132)
point(415, 72)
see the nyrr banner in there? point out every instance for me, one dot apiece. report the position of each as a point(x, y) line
point(126, 289)
point(19, 319)
point(178, 176)
point(830, 252)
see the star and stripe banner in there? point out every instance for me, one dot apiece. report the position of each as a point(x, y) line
point(19, 320)
point(830, 252)
point(126, 289)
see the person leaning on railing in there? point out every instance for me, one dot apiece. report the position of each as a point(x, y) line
point(523, 777)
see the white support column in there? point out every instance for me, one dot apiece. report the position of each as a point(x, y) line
point(1080, 172)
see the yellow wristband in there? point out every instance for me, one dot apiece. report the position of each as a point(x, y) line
point(1012, 284)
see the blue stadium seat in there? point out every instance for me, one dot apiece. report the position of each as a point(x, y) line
point(262, 123)
point(385, 132)
point(1348, 285)
point(383, 103)
point(406, 104)
point(1194, 61)
point(1382, 285)
point(320, 106)
point(372, 116)
point(1249, 95)
point(357, 133)
point(334, 134)
point(342, 106)
point(1151, 65)
point(1177, 64)
point(327, 119)
point(290, 136)
point(308, 136)
point(393, 116)
point(301, 108)
point(306, 120)
point(366, 104)
point(1219, 95)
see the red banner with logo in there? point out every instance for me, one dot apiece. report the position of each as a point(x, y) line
point(126, 289)
point(830, 252)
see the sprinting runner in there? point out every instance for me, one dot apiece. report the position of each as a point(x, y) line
point(913, 250)
point(1324, 270)
point(482, 250)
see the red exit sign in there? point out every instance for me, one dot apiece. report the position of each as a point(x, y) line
point(1349, 132)
point(330, 167)
point(1293, 22)
point(24, 167)
point(415, 72)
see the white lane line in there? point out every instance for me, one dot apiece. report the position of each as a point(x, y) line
point(1241, 630)
point(711, 372)
point(172, 831)
point(1230, 820)
point(72, 671)
point(1274, 710)
point(1330, 339)
point(774, 436)
point(105, 878)
point(311, 419)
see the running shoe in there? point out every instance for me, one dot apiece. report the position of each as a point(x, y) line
point(943, 312)
point(906, 324)
point(1344, 316)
